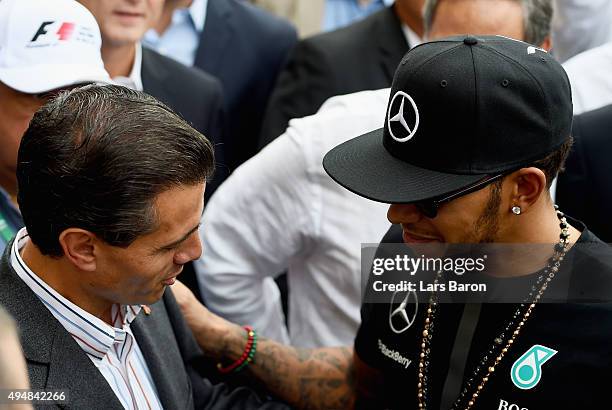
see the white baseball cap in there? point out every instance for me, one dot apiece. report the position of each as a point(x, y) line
point(48, 44)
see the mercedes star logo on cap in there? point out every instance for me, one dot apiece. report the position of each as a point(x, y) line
point(401, 117)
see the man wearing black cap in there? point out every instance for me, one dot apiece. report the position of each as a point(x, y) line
point(476, 129)
point(481, 176)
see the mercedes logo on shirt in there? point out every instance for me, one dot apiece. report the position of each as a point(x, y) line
point(403, 315)
point(402, 118)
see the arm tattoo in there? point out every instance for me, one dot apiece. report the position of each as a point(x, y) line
point(320, 378)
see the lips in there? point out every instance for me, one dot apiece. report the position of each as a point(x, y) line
point(128, 16)
point(410, 237)
point(170, 281)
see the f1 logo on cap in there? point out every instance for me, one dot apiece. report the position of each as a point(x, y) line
point(65, 31)
point(400, 116)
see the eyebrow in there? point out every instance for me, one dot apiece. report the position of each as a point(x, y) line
point(179, 241)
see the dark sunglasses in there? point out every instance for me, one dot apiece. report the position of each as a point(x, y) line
point(429, 207)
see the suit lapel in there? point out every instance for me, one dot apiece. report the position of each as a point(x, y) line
point(218, 31)
point(156, 341)
point(392, 41)
point(71, 369)
point(54, 359)
point(153, 75)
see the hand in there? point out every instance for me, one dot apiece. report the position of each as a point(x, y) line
point(209, 329)
point(196, 315)
point(185, 298)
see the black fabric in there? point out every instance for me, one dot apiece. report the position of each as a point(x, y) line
point(245, 48)
point(584, 189)
point(459, 355)
point(195, 96)
point(576, 377)
point(460, 108)
point(361, 56)
point(363, 166)
point(55, 360)
point(485, 107)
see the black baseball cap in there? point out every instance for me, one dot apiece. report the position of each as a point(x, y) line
point(460, 109)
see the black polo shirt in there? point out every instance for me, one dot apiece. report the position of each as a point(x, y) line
point(577, 337)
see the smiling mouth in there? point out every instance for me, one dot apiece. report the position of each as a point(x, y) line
point(410, 237)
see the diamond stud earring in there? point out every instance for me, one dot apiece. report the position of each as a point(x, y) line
point(516, 210)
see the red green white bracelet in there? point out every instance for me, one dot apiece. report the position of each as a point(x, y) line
point(248, 356)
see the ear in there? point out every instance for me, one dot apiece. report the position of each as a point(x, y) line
point(528, 185)
point(78, 247)
point(547, 44)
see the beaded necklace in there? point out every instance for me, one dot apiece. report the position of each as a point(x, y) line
point(500, 346)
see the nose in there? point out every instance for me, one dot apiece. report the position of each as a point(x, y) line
point(190, 250)
point(403, 214)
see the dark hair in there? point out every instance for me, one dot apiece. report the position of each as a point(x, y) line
point(551, 164)
point(554, 162)
point(537, 18)
point(96, 157)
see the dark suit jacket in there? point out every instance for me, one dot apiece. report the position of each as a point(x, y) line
point(584, 190)
point(195, 95)
point(245, 48)
point(362, 56)
point(55, 360)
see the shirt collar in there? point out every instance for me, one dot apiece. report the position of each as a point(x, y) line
point(197, 11)
point(412, 38)
point(134, 80)
point(91, 333)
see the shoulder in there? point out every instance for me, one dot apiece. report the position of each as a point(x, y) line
point(339, 119)
point(591, 265)
point(178, 74)
point(592, 143)
point(9, 298)
point(594, 55)
point(256, 18)
point(595, 124)
point(356, 104)
point(355, 36)
point(589, 77)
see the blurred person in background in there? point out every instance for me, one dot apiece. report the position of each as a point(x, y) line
point(579, 25)
point(13, 372)
point(45, 46)
point(361, 56)
point(280, 212)
point(583, 188)
point(313, 16)
point(242, 46)
point(589, 74)
point(194, 95)
point(583, 33)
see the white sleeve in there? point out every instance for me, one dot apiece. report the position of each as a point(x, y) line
point(579, 25)
point(254, 224)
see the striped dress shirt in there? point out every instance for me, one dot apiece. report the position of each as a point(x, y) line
point(112, 349)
